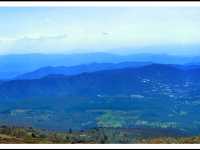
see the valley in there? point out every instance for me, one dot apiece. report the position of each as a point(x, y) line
point(151, 96)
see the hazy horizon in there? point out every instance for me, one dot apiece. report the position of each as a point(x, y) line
point(120, 30)
point(101, 52)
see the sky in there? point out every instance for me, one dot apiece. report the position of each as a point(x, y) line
point(124, 30)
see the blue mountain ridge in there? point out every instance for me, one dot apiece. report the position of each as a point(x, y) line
point(16, 64)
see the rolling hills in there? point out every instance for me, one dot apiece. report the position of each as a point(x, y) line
point(155, 95)
point(142, 80)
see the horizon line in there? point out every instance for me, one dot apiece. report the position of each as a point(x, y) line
point(108, 53)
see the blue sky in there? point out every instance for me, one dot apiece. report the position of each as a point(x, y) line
point(171, 30)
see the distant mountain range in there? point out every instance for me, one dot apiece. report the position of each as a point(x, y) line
point(14, 65)
point(74, 70)
point(150, 80)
